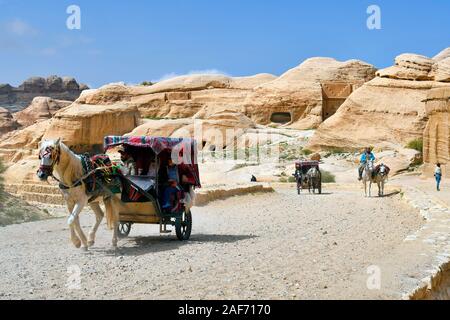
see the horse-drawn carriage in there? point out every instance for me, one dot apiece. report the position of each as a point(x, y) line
point(308, 176)
point(142, 195)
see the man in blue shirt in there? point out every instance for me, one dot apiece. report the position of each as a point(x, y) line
point(172, 188)
point(366, 156)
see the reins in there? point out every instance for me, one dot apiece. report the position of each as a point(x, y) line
point(79, 181)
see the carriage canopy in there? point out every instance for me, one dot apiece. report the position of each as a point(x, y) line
point(183, 151)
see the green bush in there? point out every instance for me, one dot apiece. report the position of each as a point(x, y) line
point(147, 83)
point(292, 179)
point(416, 144)
point(283, 180)
point(306, 152)
point(328, 177)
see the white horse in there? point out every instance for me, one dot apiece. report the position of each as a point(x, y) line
point(381, 178)
point(55, 157)
point(367, 176)
point(313, 176)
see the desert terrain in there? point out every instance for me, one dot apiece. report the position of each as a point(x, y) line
point(244, 244)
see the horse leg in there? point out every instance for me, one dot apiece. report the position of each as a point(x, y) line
point(113, 218)
point(98, 219)
point(75, 222)
point(81, 234)
point(73, 236)
point(365, 187)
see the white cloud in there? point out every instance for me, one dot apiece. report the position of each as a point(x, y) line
point(20, 28)
point(171, 75)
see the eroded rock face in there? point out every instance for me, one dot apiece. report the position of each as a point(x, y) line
point(219, 131)
point(16, 99)
point(7, 122)
point(83, 127)
point(301, 98)
point(419, 68)
point(41, 108)
point(436, 137)
point(308, 93)
point(387, 112)
point(384, 112)
point(20, 144)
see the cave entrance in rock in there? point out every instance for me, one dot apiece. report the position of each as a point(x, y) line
point(330, 106)
point(281, 117)
point(334, 95)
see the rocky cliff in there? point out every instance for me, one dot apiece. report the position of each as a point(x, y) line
point(16, 99)
point(437, 132)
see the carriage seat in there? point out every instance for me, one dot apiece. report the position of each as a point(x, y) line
point(146, 183)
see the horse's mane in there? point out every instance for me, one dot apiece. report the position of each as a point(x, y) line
point(70, 167)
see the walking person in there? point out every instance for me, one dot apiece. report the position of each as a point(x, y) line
point(438, 176)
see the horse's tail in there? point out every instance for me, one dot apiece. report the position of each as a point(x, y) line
point(110, 215)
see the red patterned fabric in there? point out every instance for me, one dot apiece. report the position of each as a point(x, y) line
point(160, 144)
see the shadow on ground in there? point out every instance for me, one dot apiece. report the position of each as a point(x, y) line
point(144, 245)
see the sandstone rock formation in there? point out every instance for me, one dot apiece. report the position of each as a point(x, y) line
point(182, 97)
point(308, 94)
point(219, 131)
point(387, 112)
point(302, 97)
point(7, 122)
point(437, 133)
point(41, 108)
point(16, 99)
point(20, 144)
point(416, 67)
point(83, 127)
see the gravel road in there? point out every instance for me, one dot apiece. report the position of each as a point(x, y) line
point(266, 246)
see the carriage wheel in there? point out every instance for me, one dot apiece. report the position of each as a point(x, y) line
point(183, 226)
point(124, 229)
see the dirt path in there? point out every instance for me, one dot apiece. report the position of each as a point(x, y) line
point(270, 246)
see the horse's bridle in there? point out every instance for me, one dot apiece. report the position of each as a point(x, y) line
point(54, 156)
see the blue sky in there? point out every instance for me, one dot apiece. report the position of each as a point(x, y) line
point(139, 40)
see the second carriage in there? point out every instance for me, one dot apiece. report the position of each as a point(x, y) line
point(303, 180)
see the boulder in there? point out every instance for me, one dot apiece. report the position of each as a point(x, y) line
point(7, 122)
point(409, 67)
point(436, 138)
point(83, 127)
point(41, 108)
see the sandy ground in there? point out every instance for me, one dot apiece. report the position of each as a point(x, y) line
point(268, 246)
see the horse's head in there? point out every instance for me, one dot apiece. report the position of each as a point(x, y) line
point(49, 155)
point(369, 165)
point(382, 170)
